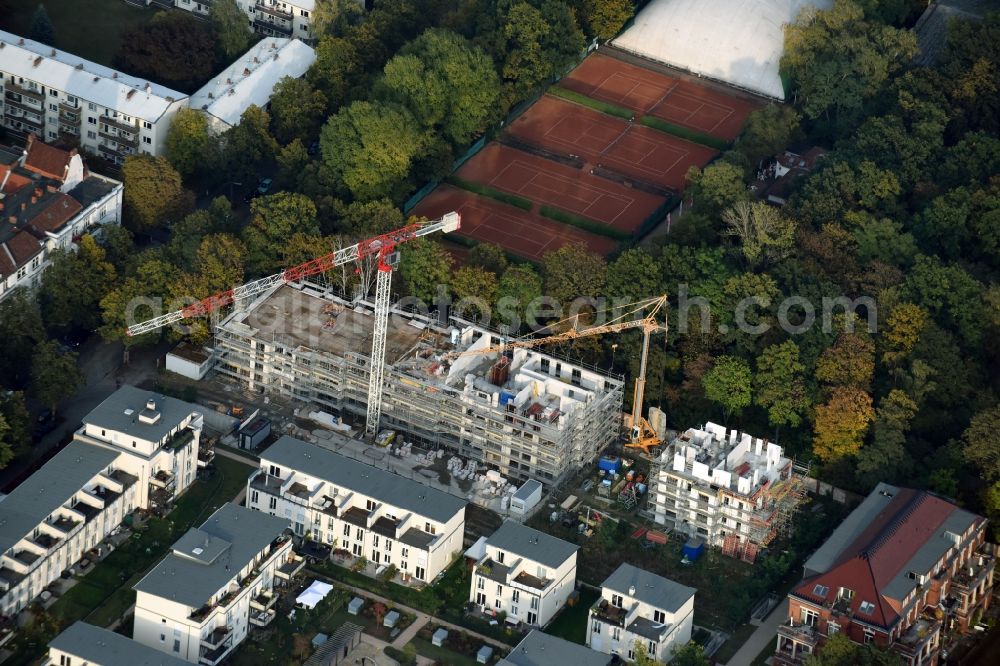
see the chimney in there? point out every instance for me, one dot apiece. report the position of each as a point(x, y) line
point(51, 188)
point(631, 590)
point(38, 61)
point(246, 71)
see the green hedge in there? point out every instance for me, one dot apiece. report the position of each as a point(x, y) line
point(582, 223)
point(684, 132)
point(492, 193)
point(596, 105)
point(400, 656)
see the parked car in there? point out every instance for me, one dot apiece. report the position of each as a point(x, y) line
point(263, 187)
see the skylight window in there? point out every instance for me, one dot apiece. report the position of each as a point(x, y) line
point(821, 590)
point(866, 607)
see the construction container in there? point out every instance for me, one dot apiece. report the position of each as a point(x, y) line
point(656, 537)
point(610, 464)
point(693, 549)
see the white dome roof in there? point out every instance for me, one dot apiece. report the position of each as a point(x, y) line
point(736, 41)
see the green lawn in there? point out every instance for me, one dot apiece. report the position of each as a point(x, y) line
point(571, 623)
point(104, 593)
point(91, 29)
point(441, 654)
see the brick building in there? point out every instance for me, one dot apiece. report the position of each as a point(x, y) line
point(902, 569)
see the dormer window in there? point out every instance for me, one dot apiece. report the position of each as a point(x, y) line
point(845, 593)
point(820, 591)
point(866, 608)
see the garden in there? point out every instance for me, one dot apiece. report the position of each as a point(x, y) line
point(457, 648)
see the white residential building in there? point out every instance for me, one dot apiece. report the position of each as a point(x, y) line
point(351, 506)
point(85, 644)
point(728, 489)
point(131, 452)
point(200, 600)
point(271, 18)
point(50, 93)
point(524, 573)
point(640, 607)
point(48, 199)
point(250, 80)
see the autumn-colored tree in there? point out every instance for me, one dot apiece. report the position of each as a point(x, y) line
point(841, 423)
point(153, 195)
point(849, 362)
point(764, 233)
point(378, 611)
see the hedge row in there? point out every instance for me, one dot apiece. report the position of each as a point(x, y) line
point(492, 193)
point(684, 132)
point(597, 105)
point(583, 223)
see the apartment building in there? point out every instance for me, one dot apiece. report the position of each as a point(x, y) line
point(524, 573)
point(348, 505)
point(111, 468)
point(83, 644)
point(904, 567)
point(729, 489)
point(541, 649)
point(639, 607)
point(159, 436)
point(271, 18)
point(528, 415)
point(250, 80)
point(48, 199)
point(53, 94)
point(199, 602)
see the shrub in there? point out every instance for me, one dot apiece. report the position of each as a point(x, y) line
point(596, 105)
point(684, 133)
point(592, 226)
point(490, 192)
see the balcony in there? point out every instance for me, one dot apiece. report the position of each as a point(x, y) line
point(70, 118)
point(270, 10)
point(44, 541)
point(65, 525)
point(131, 128)
point(65, 105)
point(162, 479)
point(795, 643)
point(921, 639)
point(217, 637)
point(608, 613)
point(972, 573)
point(267, 483)
point(262, 618)
point(212, 657)
point(26, 557)
point(118, 139)
point(264, 600)
point(27, 92)
point(272, 29)
point(15, 101)
point(179, 439)
point(291, 567)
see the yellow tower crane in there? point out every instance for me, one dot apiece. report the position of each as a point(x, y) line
point(642, 315)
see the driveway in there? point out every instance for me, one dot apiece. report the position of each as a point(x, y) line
point(766, 633)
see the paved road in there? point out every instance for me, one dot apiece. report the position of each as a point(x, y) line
point(765, 633)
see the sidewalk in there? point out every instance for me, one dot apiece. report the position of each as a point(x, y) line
point(765, 633)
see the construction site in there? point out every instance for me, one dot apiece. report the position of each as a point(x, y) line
point(726, 488)
point(526, 414)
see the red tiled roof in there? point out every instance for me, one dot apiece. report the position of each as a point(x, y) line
point(6, 262)
point(60, 210)
point(878, 554)
point(46, 160)
point(14, 181)
point(22, 247)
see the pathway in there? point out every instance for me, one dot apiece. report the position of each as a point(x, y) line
point(765, 633)
point(410, 632)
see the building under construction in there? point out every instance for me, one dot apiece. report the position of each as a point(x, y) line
point(732, 490)
point(526, 414)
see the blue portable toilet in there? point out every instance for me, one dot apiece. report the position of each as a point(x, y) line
point(693, 549)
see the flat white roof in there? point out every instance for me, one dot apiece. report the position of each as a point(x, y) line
point(252, 77)
point(735, 41)
point(85, 79)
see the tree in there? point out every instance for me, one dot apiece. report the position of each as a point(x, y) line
point(949, 293)
point(520, 286)
point(604, 18)
point(425, 266)
point(154, 195)
point(174, 49)
point(728, 384)
point(768, 131)
point(841, 423)
point(981, 443)
point(573, 272)
point(370, 147)
point(489, 256)
point(248, 146)
point(478, 286)
point(850, 361)
point(231, 30)
point(41, 29)
point(54, 375)
point(189, 146)
point(691, 654)
point(6, 451)
point(15, 426)
point(523, 66)
point(765, 234)
point(328, 15)
point(135, 300)
point(447, 84)
point(297, 110)
point(336, 70)
point(641, 655)
point(292, 161)
point(717, 187)
point(779, 385)
point(635, 275)
point(885, 457)
point(837, 60)
point(21, 330)
point(839, 650)
point(364, 219)
point(273, 220)
point(902, 332)
point(73, 286)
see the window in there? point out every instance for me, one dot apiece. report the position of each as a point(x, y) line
point(375, 541)
point(147, 140)
point(820, 591)
point(419, 573)
point(91, 134)
point(147, 125)
point(869, 635)
point(386, 558)
point(616, 600)
point(515, 595)
point(866, 607)
point(163, 638)
point(534, 603)
point(430, 529)
point(616, 633)
point(274, 470)
point(65, 660)
point(347, 530)
point(359, 534)
point(500, 556)
point(305, 14)
point(845, 593)
point(177, 645)
point(832, 628)
point(91, 106)
point(254, 497)
point(499, 590)
point(651, 648)
point(272, 503)
point(597, 627)
point(91, 120)
point(659, 617)
point(480, 583)
point(497, 603)
point(356, 549)
point(53, 107)
point(406, 552)
point(403, 565)
point(809, 617)
point(370, 505)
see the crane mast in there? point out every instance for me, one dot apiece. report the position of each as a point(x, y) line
point(382, 247)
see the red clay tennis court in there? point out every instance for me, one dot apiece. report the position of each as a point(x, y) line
point(522, 233)
point(677, 100)
point(628, 148)
point(547, 182)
